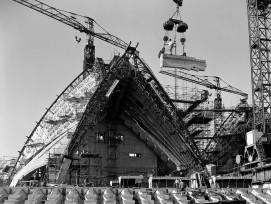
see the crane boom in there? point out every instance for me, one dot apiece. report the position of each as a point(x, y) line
point(71, 21)
point(202, 82)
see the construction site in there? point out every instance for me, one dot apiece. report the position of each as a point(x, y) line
point(116, 134)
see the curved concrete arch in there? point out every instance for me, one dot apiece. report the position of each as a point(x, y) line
point(56, 125)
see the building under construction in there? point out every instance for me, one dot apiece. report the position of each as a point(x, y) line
point(119, 135)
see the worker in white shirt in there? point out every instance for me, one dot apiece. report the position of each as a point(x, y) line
point(170, 46)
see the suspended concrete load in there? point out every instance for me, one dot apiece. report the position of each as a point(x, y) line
point(182, 62)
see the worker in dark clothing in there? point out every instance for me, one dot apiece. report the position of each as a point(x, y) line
point(160, 56)
point(162, 51)
point(176, 184)
point(181, 185)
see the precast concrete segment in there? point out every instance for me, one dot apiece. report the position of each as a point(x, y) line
point(178, 197)
point(107, 195)
point(18, 196)
point(214, 197)
point(4, 192)
point(161, 197)
point(259, 193)
point(56, 196)
point(37, 196)
point(246, 194)
point(125, 196)
point(142, 197)
point(74, 196)
point(182, 62)
point(91, 196)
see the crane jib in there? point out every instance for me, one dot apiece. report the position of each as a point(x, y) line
point(68, 20)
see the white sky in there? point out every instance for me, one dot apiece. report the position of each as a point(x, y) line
point(39, 56)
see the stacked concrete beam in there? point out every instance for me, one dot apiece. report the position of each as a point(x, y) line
point(56, 196)
point(142, 197)
point(74, 196)
point(37, 196)
point(199, 197)
point(178, 197)
point(214, 197)
point(161, 197)
point(18, 196)
point(246, 194)
point(91, 196)
point(85, 195)
point(108, 196)
point(4, 192)
point(261, 195)
point(124, 196)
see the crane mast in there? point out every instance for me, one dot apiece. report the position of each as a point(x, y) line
point(259, 23)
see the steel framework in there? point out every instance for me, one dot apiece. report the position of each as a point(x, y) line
point(260, 44)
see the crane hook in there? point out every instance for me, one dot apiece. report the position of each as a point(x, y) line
point(77, 39)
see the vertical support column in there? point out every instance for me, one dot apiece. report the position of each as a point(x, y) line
point(260, 45)
point(89, 50)
point(217, 105)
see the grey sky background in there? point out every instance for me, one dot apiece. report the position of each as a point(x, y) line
point(39, 56)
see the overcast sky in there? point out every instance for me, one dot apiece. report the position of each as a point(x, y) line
point(39, 56)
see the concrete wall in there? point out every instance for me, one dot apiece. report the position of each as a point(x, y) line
point(115, 159)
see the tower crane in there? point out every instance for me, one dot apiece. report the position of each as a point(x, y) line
point(259, 23)
point(59, 15)
point(69, 19)
point(203, 81)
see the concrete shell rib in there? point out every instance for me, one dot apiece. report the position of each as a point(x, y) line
point(53, 132)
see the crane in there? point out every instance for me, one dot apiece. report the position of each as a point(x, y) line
point(60, 15)
point(175, 72)
point(203, 81)
point(259, 14)
point(69, 19)
point(259, 23)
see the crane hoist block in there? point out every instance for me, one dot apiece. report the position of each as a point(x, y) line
point(182, 62)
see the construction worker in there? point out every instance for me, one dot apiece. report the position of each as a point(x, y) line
point(160, 56)
point(161, 52)
point(176, 184)
point(181, 185)
point(170, 46)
